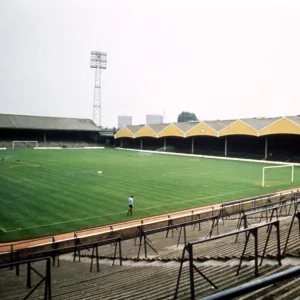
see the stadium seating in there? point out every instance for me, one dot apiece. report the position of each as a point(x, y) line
point(155, 277)
point(133, 281)
point(224, 249)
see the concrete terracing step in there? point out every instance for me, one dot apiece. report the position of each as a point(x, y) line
point(258, 293)
point(282, 289)
point(150, 281)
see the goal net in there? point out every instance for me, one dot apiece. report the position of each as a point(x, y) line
point(24, 144)
point(275, 175)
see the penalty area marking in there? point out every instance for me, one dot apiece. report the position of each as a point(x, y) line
point(122, 213)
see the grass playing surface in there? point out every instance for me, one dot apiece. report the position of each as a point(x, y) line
point(44, 192)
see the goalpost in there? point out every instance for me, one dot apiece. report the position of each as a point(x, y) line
point(15, 143)
point(275, 167)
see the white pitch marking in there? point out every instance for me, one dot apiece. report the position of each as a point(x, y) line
point(2, 229)
point(122, 213)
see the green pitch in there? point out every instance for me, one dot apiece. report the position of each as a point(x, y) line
point(43, 192)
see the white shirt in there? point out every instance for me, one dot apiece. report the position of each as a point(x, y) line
point(130, 201)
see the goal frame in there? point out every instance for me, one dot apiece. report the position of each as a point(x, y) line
point(36, 143)
point(275, 167)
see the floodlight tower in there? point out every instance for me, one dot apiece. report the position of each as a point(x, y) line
point(98, 62)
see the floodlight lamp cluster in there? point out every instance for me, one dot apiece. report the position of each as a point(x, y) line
point(98, 60)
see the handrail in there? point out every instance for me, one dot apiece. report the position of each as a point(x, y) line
point(247, 199)
point(78, 246)
point(263, 206)
point(249, 231)
point(44, 278)
point(174, 226)
point(22, 262)
point(273, 206)
point(231, 233)
point(254, 285)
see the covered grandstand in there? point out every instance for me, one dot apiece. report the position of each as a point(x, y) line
point(47, 131)
point(258, 138)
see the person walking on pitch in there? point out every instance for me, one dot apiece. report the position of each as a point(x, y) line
point(130, 204)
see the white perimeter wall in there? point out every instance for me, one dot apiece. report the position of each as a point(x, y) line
point(214, 157)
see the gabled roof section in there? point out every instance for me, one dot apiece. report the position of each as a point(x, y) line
point(134, 128)
point(219, 125)
point(8, 121)
point(201, 129)
point(295, 119)
point(260, 123)
point(158, 127)
point(238, 128)
point(124, 133)
point(281, 126)
point(171, 130)
point(185, 126)
point(146, 131)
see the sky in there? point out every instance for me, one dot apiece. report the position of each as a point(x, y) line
point(218, 59)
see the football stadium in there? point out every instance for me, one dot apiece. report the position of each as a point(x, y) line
point(149, 150)
point(209, 197)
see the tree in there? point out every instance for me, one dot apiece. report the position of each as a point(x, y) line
point(186, 116)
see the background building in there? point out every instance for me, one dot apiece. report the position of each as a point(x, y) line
point(124, 121)
point(154, 119)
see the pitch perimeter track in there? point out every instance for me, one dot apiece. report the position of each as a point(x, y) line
point(23, 244)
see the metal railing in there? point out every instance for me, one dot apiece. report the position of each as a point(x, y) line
point(255, 285)
point(78, 247)
point(253, 231)
point(46, 278)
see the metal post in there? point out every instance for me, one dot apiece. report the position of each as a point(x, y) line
point(278, 244)
point(243, 253)
point(225, 146)
point(180, 271)
point(92, 260)
point(165, 144)
point(145, 244)
point(184, 232)
point(45, 137)
point(266, 244)
point(97, 259)
point(48, 280)
point(191, 271)
point(115, 253)
point(120, 252)
point(288, 235)
point(254, 232)
point(18, 266)
point(266, 147)
point(141, 144)
point(11, 254)
point(179, 236)
point(28, 276)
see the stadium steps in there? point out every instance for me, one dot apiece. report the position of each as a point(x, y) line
point(223, 249)
point(147, 282)
point(288, 289)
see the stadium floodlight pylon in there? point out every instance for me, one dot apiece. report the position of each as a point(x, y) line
point(14, 143)
point(275, 167)
point(98, 62)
